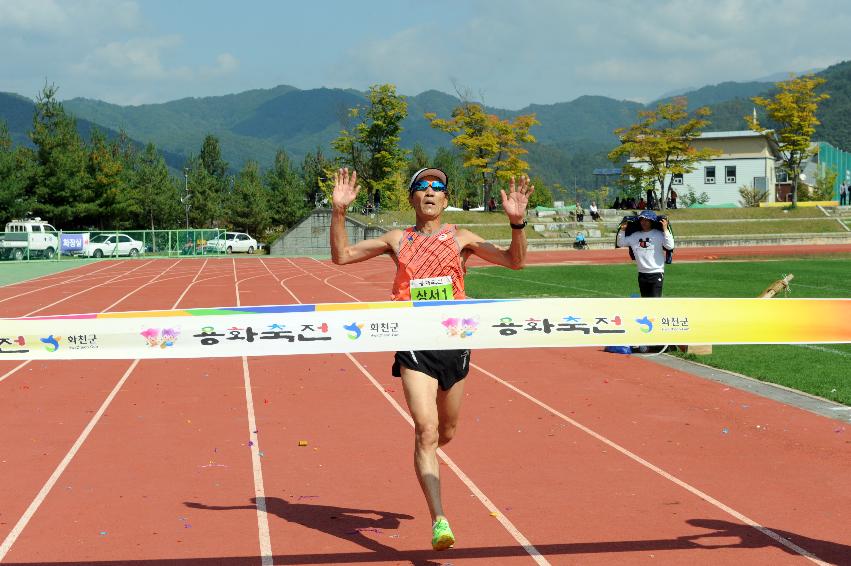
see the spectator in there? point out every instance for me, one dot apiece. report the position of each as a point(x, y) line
point(648, 245)
point(641, 204)
point(466, 204)
point(580, 213)
point(491, 205)
point(617, 204)
point(595, 214)
point(843, 194)
point(672, 202)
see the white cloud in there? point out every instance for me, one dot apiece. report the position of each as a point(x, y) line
point(226, 64)
point(66, 17)
point(138, 58)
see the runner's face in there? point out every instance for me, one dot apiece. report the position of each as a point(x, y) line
point(429, 202)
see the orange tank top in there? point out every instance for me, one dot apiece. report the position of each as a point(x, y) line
point(427, 257)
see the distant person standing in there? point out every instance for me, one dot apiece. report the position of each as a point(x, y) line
point(673, 199)
point(648, 245)
point(843, 194)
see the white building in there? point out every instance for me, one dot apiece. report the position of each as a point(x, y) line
point(746, 158)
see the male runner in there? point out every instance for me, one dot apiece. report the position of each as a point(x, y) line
point(430, 256)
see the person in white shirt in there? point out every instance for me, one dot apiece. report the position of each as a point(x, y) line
point(649, 246)
point(595, 214)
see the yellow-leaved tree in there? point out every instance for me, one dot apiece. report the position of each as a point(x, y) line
point(491, 146)
point(793, 109)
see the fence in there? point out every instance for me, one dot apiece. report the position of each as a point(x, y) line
point(56, 246)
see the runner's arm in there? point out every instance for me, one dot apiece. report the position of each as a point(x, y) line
point(342, 252)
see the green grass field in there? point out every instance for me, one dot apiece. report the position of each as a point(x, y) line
point(818, 369)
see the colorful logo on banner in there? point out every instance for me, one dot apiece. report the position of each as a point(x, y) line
point(164, 338)
point(354, 330)
point(646, 324)
point(460, 327)
point(51, 343)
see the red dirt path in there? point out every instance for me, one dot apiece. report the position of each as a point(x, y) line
point(166, 475)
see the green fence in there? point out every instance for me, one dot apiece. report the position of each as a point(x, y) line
point(56, 246)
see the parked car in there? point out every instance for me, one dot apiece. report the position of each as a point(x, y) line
point(113, 245)
point(233, 242)
point(31, 236)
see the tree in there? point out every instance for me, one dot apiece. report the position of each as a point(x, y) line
point(288, 199)
point(793, 109)
point(370, 144)
point(17, 169)
point(61, 190)
point(111, 206)
point(248, 203)
point(317, 172)
point(489, 145)
point(661, 142)
point(157, 191)
point(463, 181)
point(825, 184)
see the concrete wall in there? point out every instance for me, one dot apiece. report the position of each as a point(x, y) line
point(311, 236)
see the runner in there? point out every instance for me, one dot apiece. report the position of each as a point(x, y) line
point(430, 264)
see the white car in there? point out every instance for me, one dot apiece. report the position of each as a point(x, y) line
point(233, 242)
point(107, 245)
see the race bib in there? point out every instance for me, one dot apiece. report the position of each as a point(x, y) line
point(432, 289)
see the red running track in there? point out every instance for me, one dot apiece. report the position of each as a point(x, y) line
point(564, 456)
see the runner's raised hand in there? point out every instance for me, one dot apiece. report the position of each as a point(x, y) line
point(514, 203)
point(345, 188)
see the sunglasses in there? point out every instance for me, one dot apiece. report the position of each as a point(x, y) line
point(424, 185)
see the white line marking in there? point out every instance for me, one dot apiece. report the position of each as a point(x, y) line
point(60, 469)
point(55, 284)
point(143, 286)
point(54, 477)
point(489, 505)
point(119, 276)
point(263, 534)
point(593, 291)
point(16, 368)
point(265, 537)
point(823, 349)
point(709, 499)
point(474, 489)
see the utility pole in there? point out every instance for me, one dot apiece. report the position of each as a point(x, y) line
point(186, 194)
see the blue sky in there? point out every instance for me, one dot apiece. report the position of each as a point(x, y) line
point(509, 53)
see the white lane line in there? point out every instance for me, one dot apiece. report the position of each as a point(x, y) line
point(63, 282)
point(263, 533)
point(119, 276)
point(13, 370)
point(265, 538)
point(54, 477)
point(474, 489)
point(60, 469)
point(688, 487)
point(489, 505)
point(143, 286)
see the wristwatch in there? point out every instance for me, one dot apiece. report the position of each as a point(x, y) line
point(518, 226)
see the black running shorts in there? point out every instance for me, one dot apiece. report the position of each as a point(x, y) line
point(448, 367)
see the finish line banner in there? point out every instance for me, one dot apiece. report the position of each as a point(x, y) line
point(429, 325)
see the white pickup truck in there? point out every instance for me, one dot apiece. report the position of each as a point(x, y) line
point(32, 236)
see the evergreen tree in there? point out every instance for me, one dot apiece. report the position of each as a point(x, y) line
point(248, 204)
point(317, 171)
point(288, 198)
point(111, 207)
point(60, 186)
point(158, 192)
point(17, 169)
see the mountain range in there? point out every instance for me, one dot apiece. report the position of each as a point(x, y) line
point(573, 137)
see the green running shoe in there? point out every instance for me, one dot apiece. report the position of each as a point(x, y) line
point(441, 535)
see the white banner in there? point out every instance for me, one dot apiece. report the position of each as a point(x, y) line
point(431, 325)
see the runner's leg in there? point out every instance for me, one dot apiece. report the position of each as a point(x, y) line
point(421, 395)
